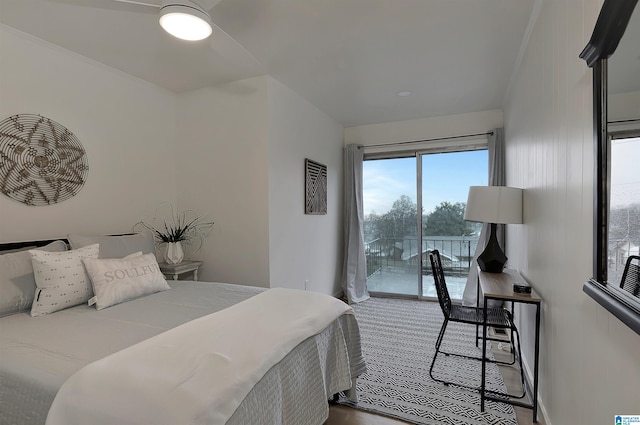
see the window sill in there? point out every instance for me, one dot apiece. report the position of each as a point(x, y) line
point(613, 303)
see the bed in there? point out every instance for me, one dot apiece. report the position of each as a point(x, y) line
point(199, 352)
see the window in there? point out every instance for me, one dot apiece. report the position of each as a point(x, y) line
point(624, 203)
point(398, 238)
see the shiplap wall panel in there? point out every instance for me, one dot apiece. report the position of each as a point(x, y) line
point(589, 365)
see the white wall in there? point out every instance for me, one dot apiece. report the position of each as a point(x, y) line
point(215, 151)
point(303, 247)
point(240, 155)
point(590, 369)
point(222, 171)
point(125, 125)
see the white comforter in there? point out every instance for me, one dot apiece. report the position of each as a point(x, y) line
point(199, 372)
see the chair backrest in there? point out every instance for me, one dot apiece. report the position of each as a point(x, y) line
point(441, 286)
point(631, 277)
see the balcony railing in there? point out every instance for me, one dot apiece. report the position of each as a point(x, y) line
point(456, 253)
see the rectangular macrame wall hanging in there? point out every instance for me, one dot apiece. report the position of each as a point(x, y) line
point(315, 182)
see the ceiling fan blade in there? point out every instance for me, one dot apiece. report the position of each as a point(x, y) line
point(139, 3)
point(148, 6)
point(225, 47)
point(122, 5)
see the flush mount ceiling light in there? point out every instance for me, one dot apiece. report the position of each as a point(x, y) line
point(185, 20)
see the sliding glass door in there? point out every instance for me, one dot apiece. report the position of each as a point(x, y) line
point(446, 178)
point(398, 238)
point(391, 223)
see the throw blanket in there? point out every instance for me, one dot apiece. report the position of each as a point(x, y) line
point(199, 372)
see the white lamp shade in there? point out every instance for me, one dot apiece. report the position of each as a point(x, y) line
point(494, 204)
point(185, 20)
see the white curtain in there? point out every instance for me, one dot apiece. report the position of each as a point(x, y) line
point(354, 272)
point(497, 177)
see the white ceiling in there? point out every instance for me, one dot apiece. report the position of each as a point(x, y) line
point(347, 57)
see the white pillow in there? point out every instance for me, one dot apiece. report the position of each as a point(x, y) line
point(115, 281)
point(17, 284)
point(61, 279)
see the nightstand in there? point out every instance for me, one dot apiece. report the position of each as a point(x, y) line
point(186, 266)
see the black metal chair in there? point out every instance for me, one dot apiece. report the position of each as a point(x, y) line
point(498, 318)
point(631, 276)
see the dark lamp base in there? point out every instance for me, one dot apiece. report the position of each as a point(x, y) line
point(492, 259)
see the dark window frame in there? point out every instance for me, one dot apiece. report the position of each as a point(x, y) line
point(610, 27)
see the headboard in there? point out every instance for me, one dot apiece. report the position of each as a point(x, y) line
point(12, 246)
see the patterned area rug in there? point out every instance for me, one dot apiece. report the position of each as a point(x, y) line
point(398, 341)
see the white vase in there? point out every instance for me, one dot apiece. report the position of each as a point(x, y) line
point(173, 253)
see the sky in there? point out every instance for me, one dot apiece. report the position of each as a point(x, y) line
point(625, 177)
point(446, 177)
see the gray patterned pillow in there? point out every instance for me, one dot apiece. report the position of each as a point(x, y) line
point(116, 246)
point(17, 284)
point(61, 279)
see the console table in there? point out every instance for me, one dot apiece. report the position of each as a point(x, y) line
point(186, 266)
point(499, 286)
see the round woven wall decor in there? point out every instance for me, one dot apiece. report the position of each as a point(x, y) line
point(41, 162)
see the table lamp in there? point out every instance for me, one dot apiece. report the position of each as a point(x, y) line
point(494, 205)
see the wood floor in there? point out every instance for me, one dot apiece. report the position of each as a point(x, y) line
point(341, 415)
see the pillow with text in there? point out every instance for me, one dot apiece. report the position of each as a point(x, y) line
point(118, 280)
